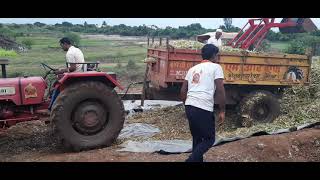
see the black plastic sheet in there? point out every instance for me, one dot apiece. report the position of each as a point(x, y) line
point(138, 130)
point(185, 146)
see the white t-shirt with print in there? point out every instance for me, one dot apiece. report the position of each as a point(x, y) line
point(75, 55)
point(201, 86)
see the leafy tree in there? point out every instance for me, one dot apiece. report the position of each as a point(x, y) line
point(67, 24)
point(75, 38)
point(28, 43)
point(227, 23)
point(39, 24)
point(104, 24)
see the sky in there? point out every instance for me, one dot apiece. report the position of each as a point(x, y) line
point(160, 22)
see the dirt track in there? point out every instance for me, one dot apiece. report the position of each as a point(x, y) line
point(35, 143)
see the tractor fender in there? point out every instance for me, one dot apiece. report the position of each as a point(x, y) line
point(109, 79)
point(69, 78)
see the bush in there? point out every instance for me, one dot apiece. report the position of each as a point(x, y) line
point(75, 38)
point(277, 36)
point(131, 65)
point(296, 47)
point(119, 65)
point(20, 34)
point(284, 37)
point(50, 28)
point(309, 40)
point(5, 31)
point(316, 33)
point(28, 43)
point(5, 53)
point(300, 45)
point(264, 46)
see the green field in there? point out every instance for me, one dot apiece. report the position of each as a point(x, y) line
point(113, 55)
point(279, 45)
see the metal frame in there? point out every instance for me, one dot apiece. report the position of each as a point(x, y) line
point(96, 64)
point(256, 32)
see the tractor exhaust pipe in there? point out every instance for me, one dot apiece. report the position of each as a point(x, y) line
point(3, 63)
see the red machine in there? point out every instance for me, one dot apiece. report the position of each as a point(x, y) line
point(257, 29)
point(85, 110)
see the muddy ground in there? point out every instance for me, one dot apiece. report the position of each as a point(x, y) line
point(303, 145)
point(33, 141)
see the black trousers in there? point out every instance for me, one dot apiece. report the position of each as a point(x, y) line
point(202, 127)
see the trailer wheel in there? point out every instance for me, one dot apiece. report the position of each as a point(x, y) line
point(87, 115)
point(259, 107)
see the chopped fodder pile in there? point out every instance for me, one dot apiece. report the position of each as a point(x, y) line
point(189, 44)
point(171, 121)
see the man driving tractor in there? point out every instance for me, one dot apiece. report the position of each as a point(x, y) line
point(74, 55)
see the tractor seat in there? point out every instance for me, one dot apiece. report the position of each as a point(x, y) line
point(91, 67)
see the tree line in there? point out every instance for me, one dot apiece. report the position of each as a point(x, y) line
point(298, 42)
point(181, 32)
point(12, 30)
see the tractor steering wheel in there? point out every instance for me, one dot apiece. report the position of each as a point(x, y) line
point(45, 66)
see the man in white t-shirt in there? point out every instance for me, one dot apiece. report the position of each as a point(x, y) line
point(202, 86)
point(216, 40)
point(74, 55)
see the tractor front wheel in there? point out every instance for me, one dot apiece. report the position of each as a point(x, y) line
point(87, 115)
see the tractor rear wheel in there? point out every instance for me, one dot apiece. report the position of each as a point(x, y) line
point(87, 115)
point(259, 107)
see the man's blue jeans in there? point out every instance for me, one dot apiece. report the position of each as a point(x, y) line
point(202, 127)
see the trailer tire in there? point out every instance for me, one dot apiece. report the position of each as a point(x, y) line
point(87, 115)
point(259, 107)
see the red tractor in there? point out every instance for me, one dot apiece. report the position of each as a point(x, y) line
point(85, 110)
